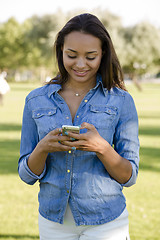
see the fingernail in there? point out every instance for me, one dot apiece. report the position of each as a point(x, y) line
point(73, 148)
point(73, 139)
point(66, 133)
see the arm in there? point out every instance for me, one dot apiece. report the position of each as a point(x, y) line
point(29, 140)
point(33, 153)
point(126, 142)
point(118, 167)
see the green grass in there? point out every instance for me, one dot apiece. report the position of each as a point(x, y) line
point(18, 201)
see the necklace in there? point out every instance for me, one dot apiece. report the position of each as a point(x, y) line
point(77, 95)
point(75, 92)
point(80, 94)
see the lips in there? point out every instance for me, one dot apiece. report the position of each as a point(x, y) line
point(80, 73)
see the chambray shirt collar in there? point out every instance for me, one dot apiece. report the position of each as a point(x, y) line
point(100, 83)
point(53, 88)
point(56, 87)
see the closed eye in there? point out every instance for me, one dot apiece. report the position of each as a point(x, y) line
point(71, 56)
point(90, 58)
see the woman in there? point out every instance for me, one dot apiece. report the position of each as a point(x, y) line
point(81, 181)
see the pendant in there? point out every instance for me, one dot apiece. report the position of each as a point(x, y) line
point(77, 94)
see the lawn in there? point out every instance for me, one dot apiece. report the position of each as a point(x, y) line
point(18, 201)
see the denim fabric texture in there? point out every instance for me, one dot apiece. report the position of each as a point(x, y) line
point(93, 195)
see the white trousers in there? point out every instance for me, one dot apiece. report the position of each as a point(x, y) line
point(117, 229)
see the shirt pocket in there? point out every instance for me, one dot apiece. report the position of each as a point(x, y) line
point(102, 117)
point(45, 119)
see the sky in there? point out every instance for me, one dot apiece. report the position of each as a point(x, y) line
point(130, 11)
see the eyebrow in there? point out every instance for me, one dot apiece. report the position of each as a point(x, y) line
point(76, 51)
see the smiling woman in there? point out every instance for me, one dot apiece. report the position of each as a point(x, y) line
point(81, 175)
point(82, 61)
point(96, 53)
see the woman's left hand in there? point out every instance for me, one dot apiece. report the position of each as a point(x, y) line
point(118, 167)
point(89, 141)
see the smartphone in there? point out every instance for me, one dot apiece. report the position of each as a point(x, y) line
point(70, 128)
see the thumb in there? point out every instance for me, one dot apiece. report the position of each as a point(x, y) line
point(87, 126)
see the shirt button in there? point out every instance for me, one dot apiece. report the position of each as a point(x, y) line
point(86, 100)
point(38, 114)
point(67, 191)
point(49, 113)
point(77, 116)
point(69, 151)
point(67, 117)
point(68, 171)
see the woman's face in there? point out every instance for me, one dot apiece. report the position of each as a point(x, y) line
point(82, 55)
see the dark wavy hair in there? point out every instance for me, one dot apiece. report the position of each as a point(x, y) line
point(109, 69)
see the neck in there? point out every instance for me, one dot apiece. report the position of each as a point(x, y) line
point(79, 86)
point(77, 90)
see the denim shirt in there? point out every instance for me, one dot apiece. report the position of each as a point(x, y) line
point(79, 177)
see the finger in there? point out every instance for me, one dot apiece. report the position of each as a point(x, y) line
point(76, 144)
point(56, 131)
point(68, 143)
point(76, 136)
point(82, 148)
point(52, 138)
point(87, 126)
point(65, 148)
point(68, 148)
point(63, 138)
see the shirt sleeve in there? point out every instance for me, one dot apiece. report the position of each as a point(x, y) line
point(126, 141)
point(29, 140)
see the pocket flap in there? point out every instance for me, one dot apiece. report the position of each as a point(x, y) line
point(103, 109)
point(43, 112)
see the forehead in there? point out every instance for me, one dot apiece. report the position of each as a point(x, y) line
point(77, 40)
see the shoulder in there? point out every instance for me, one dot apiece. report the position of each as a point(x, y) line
point(37, 92)
point(120, 93)
point(123, 101)
point(42, 91)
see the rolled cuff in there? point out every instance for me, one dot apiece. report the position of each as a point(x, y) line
point(133, 177)
point(26, 174)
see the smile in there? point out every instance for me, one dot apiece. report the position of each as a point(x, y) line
point(80, 73)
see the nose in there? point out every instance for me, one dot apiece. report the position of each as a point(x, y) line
point(80, 63)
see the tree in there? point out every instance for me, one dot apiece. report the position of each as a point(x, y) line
point(142, 48)
point(39, 36)
point(114, 26)
point(11, 44)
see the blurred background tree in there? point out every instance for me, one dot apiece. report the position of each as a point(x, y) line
point(26, 49)
point(12, 45)
point(142, 49)
point(38, 37)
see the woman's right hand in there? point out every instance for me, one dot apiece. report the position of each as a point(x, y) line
point(52, 142)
